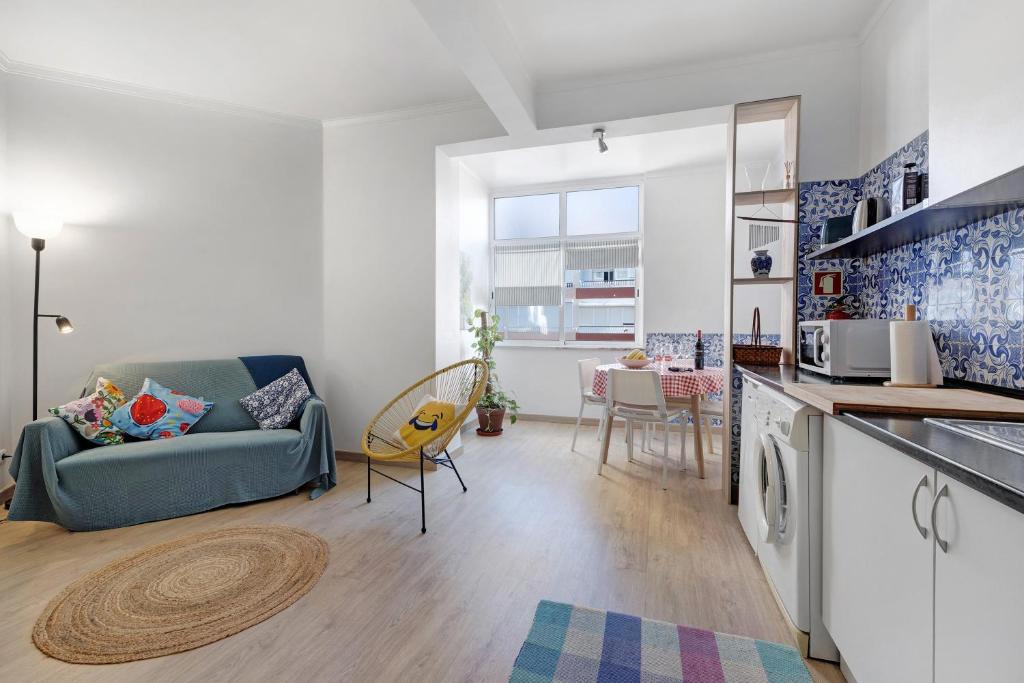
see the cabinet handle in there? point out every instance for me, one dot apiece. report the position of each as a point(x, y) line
point(923, 484)
point(943, 545)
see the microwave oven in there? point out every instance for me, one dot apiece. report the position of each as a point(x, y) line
point(845, 348)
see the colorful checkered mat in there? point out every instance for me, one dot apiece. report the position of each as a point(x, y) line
point(577, 645)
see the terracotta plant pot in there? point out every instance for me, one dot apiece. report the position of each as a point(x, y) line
point(490, 420)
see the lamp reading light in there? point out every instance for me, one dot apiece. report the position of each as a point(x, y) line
point(37, 225)
point(64, 325)
point(40, 227)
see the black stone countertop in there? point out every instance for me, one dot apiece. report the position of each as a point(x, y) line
point(994, 471)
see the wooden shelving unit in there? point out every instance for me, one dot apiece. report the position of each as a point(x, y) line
point(785, 200)
point(755, 197)
point(927, 219)
point(761, 280)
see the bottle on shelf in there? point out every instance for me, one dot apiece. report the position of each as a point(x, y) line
point(698, 353)
point(911, 186)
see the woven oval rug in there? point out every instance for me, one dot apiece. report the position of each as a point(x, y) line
point(181, 595)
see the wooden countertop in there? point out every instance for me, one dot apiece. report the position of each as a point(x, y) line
point(946, 402)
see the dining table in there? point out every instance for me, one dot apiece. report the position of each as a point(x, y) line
point(681, 387)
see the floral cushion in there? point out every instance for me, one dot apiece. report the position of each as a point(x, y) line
point(277, 404)
point(159, 413)
point(90, 415)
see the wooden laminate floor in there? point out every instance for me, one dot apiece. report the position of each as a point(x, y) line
point(454, 604)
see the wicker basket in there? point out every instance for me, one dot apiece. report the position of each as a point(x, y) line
point(756, 353)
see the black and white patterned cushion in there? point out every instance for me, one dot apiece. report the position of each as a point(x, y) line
point(276, 405)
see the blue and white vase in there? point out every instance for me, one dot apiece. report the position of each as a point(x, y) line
point(761, 263)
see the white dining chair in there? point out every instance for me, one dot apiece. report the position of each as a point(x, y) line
point(650, 431)
point(636, 396)
point(587, 368)
point(708, 410)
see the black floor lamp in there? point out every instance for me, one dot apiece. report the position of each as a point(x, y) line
point(39, 227)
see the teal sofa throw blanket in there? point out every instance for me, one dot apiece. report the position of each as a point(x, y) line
point(224, 459)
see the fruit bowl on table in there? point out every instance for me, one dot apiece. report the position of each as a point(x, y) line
point(635, 363)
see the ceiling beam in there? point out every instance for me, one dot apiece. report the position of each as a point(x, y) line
point(479, 40)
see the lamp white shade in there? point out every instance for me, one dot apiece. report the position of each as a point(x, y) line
point(37, 224)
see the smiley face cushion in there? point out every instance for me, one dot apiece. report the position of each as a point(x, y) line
point(431, 418)
point(159, 413)
point(90, 415)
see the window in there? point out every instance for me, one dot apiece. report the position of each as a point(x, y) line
point(524, 217)
point(600, 212)
point(567, 265)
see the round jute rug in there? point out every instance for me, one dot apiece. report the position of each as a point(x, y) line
point(180, 595)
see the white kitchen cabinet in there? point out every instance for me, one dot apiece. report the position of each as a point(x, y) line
point(877, 567)
point(979, 588)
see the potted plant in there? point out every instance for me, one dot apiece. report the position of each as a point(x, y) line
point(492, 406)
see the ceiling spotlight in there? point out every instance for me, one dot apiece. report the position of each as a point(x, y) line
point(602, 146)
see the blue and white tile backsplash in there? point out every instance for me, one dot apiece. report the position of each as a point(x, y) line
point(968, 282)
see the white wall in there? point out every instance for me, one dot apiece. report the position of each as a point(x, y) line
point(474, 232)
point(975, 93)
point(684, 263)
point(189, 233)
point(828, 79)
point(894, 81)
point(379, 259)
point(684, 251)
point(474, 247)
point(545, 380)
point(7, 436)
point(447, 257)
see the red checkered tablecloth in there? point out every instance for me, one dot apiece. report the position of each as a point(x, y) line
point(674, 384)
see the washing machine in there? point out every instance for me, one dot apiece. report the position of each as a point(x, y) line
point(752, 413)
point(784, 491)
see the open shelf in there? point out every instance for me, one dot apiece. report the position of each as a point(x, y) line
point(927, 219)
point(753, 198)
point(761, 280)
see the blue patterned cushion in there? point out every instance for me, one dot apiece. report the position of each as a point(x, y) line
point(277, 404)
point(159, 413)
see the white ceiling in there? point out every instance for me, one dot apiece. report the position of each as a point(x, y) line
point(326, 59)
point(627, 156)
point(660, 152)
point(582, 39)
point(314, 58)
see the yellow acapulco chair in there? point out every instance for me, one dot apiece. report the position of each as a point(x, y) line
point(460, 385)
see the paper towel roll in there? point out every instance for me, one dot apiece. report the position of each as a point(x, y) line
point(908, 351)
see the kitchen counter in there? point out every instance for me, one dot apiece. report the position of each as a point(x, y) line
point(994, 471)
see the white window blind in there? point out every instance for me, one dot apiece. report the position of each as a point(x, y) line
point(527, 275)
point(602, 254)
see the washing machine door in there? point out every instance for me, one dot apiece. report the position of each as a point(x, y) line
point(772, 502)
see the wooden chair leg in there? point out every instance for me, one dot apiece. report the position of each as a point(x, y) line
point(606, 436)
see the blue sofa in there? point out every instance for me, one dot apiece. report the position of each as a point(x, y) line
point(225, 458)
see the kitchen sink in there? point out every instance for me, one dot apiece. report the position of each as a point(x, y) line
point(1008, 435)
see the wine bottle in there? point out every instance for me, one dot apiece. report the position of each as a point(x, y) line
point(698, 353)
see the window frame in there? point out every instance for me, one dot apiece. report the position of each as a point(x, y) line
point(562, 189)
